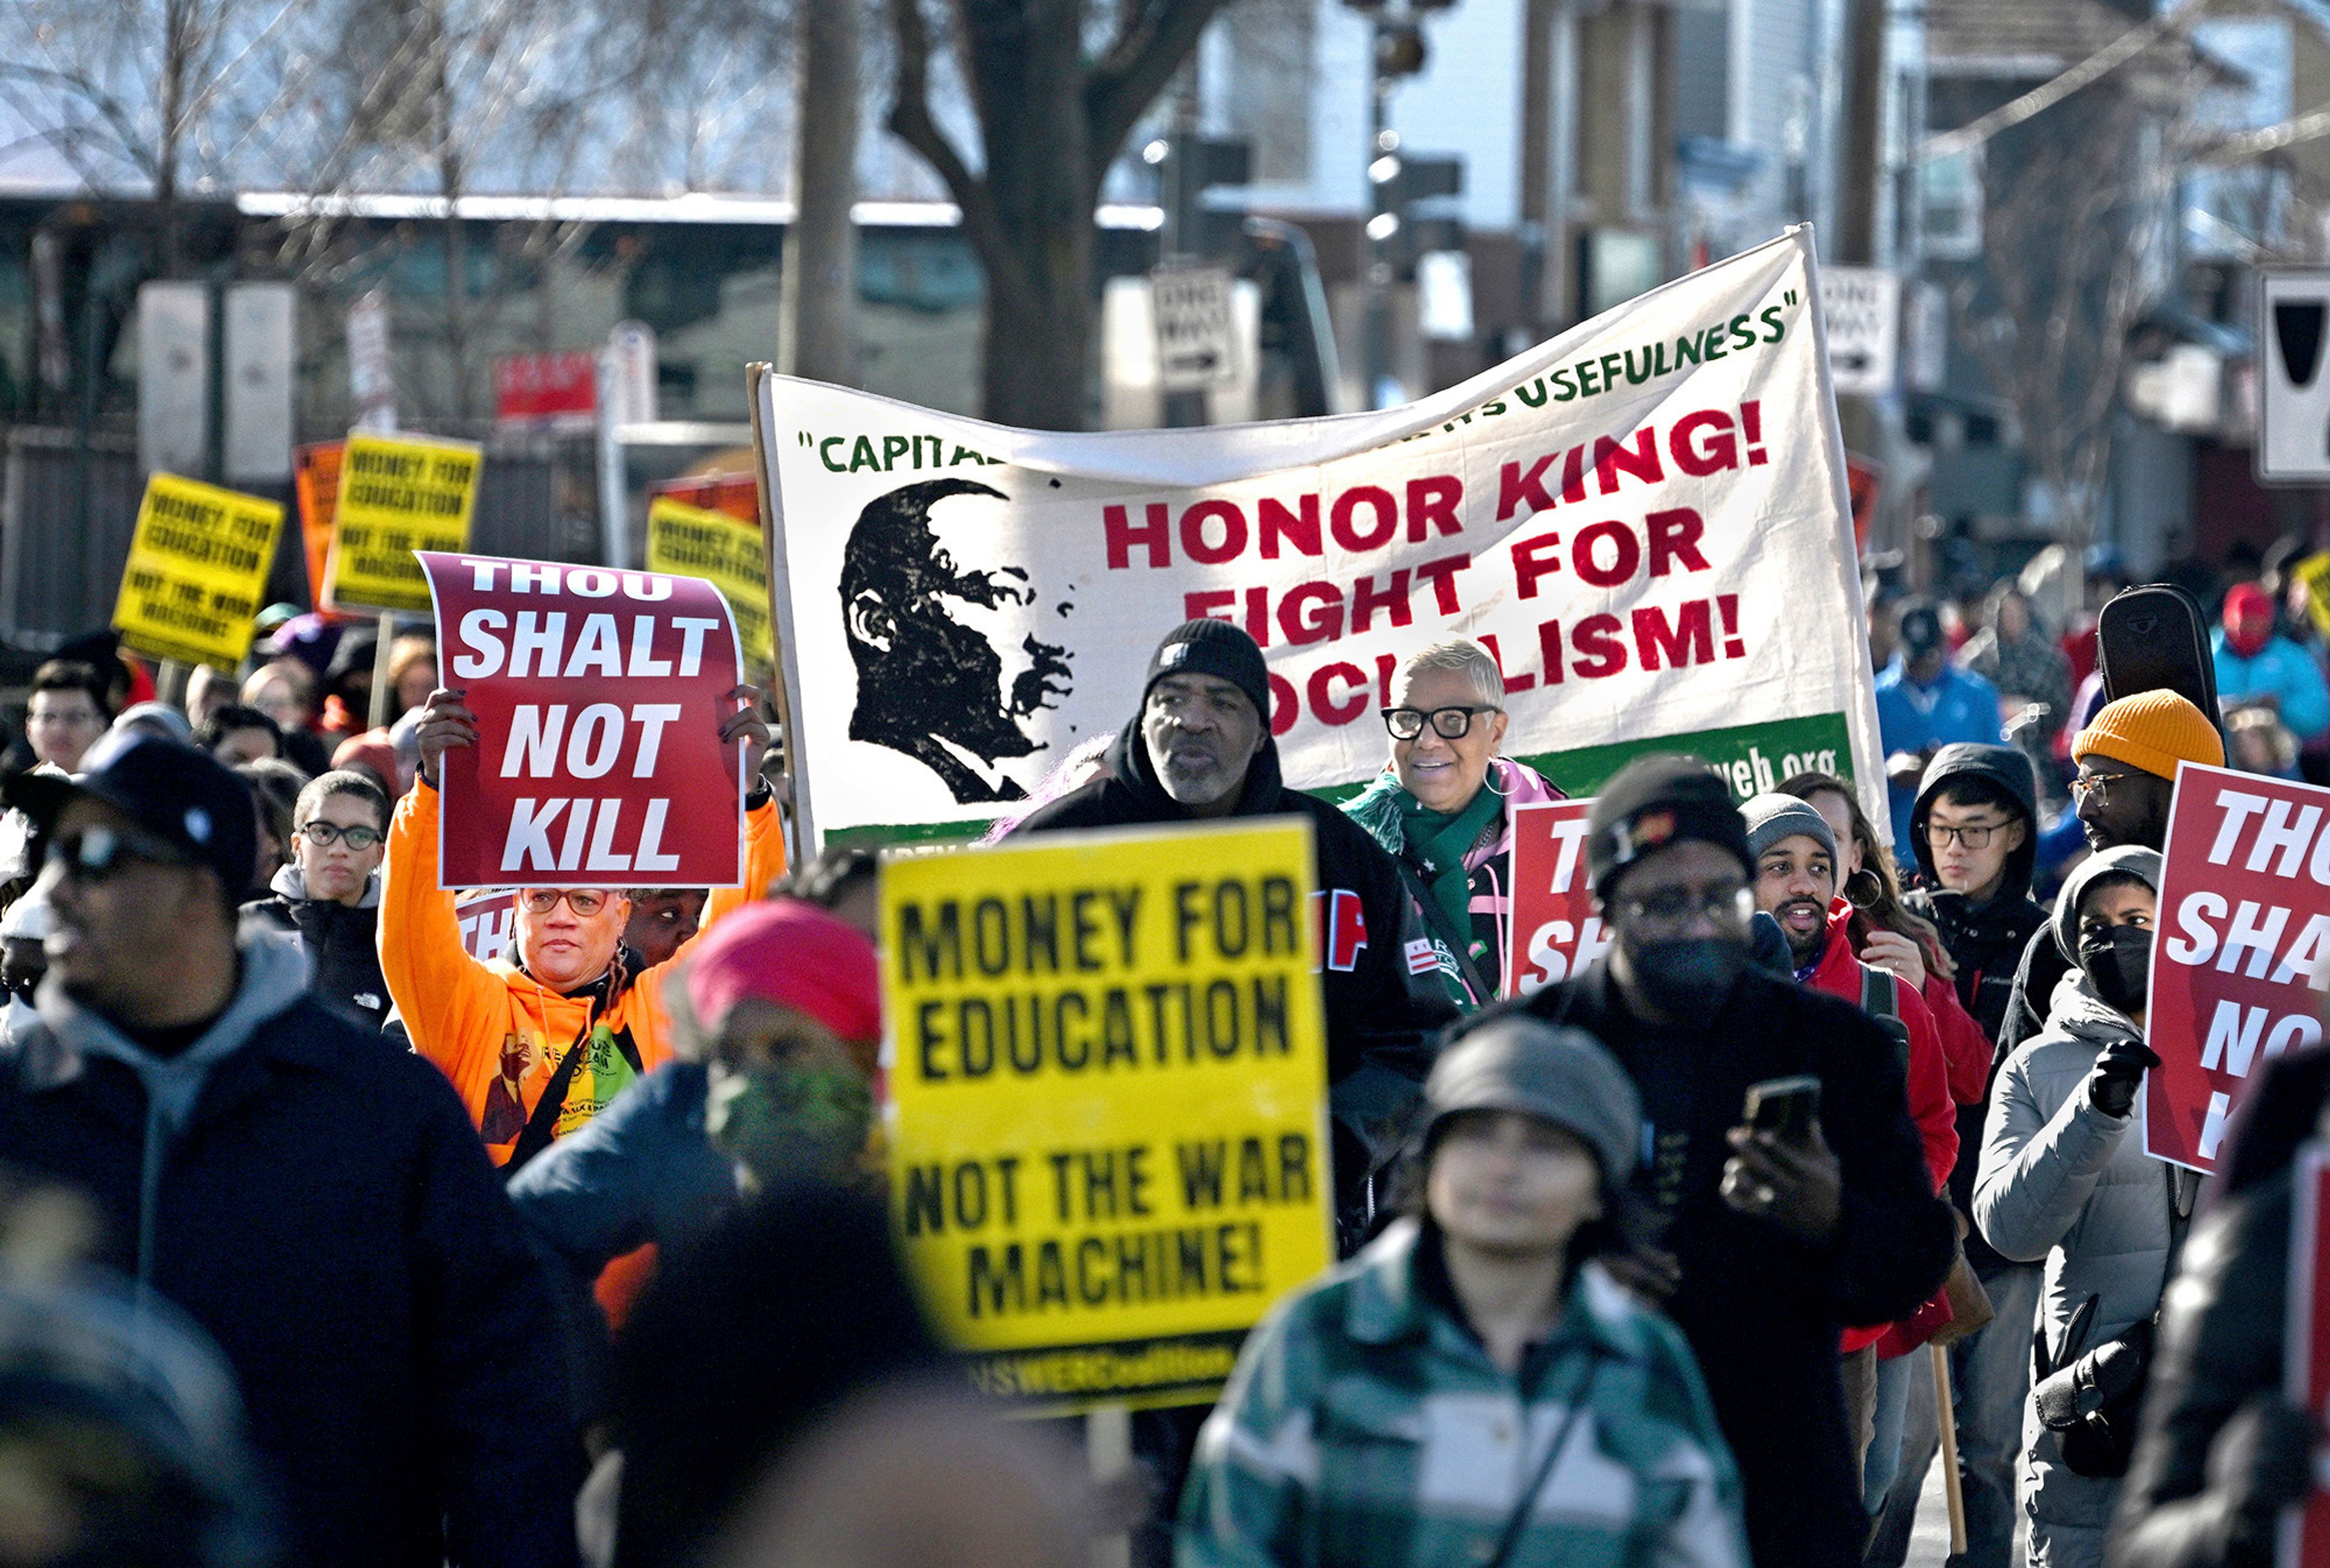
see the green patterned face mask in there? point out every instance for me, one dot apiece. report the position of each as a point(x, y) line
point(792, 1121)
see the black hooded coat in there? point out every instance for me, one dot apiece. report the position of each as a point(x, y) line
point(1381, 1008)
point(1986, 941)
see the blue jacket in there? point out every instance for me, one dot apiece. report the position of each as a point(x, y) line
point(318, 1203)
point(2281, 670)
point(1960, 706)
point(642, 1170)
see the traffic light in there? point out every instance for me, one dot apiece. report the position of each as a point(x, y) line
point(1399, 49)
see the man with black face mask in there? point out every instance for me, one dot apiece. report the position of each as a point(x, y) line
point(1776, 1245)
point(2064, 1177)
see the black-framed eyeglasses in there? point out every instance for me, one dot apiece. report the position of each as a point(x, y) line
point(1973, 835)
point(584, 901)
point(330, 833)
point(100, 854)
point(1447, 723)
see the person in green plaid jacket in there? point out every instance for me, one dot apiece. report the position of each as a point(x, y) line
point(1474, 1388)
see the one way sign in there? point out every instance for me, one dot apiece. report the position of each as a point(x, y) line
point(1192, 310)
point(1863, 307)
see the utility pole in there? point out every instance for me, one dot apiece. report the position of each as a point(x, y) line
point(817, 291)
point(1864, 126)
point(1397, 51)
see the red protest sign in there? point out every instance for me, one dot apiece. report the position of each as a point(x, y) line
point(1554, 931)
point(2305, 1345)
point(546, 388)
point(2238, 950)
point(484, 914)
point(599, 697)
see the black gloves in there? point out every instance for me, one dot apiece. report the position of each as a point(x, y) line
point(2119, 1068)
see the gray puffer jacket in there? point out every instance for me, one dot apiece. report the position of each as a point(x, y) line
point(2064, 1182)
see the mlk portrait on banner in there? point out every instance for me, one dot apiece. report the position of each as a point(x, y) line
point(951, 670)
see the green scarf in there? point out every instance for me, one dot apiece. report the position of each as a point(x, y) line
point(1436, 842)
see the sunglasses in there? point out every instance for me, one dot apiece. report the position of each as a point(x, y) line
point(100, 854)
point(327, 834)
point(584, 901)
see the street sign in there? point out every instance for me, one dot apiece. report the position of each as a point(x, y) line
point(261, 342)
point(2293, 384)
point(174, 377)
point(1863, 305)
point(372, 364)
point(1192, 310)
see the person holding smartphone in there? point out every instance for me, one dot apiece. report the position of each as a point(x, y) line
point(1773, 1241)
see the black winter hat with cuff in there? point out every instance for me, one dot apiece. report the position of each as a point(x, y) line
point(1656, 801)
point(1214, 648)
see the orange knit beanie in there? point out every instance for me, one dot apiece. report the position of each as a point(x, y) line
point(2152, 730)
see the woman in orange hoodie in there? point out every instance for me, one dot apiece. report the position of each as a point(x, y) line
point(537, 1047)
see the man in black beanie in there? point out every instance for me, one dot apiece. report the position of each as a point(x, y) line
point(1777, 1242)
point(1200, 749)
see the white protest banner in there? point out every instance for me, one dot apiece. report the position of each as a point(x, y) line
point(2240, 952)
point(1646, 519)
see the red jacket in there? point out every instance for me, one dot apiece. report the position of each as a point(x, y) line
point(1931, 1105)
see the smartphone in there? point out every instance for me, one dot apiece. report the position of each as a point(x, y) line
point(1783, 1106)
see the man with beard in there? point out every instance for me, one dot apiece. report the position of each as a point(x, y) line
point(2128, 758)
point(1199, 749)
point(948, 667)
point(1777, 1245)
point(1793, 851)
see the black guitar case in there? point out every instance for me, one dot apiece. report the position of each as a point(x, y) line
point(2155, 637)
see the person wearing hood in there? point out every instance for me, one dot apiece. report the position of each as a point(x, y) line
point(2127, 756)
point(2257, 666)
point(1975, 833)
point(328, 896)
point(313, 1199)
point(1475, 1386)
point(1774, 1245)
point(1795, 853)
point(1443, 809)
point(2064, 1180)
point(1200, 750)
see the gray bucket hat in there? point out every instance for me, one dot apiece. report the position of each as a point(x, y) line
point(1557, 1073)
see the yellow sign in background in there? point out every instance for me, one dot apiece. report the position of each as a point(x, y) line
point(398, 494)
point(727, 552)
point(197, 572)
point(1108, 1149)
point(2315, 572)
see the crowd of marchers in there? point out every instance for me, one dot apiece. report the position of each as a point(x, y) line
point(324, 1240)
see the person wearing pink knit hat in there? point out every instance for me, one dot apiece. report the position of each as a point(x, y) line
point(776, 1017)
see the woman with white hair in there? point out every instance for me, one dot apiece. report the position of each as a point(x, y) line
point(1443, 809)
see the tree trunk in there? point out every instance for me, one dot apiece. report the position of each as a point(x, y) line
point(817, 333)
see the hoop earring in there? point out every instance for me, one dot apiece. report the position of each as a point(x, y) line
point(1489, 781)
point(1863, 889)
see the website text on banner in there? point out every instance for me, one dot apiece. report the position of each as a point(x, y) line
point(2305, 1347)
point(1108, 1081)
point(2241, 953)
point(1645, 518)
point(197, 572)
point(598, 695)
point(727, 552)
point(398, 495)
point(1556, 929)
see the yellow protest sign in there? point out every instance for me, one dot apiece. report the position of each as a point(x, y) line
point(727, 552)
point(2315, 572)
point(398, 494)
point(197, 572)
point(1107, 1148)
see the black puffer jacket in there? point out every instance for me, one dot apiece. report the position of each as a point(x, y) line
point(1985, 941)
point(1381, 1011)
point(2221, 1341)
point(342, 943)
